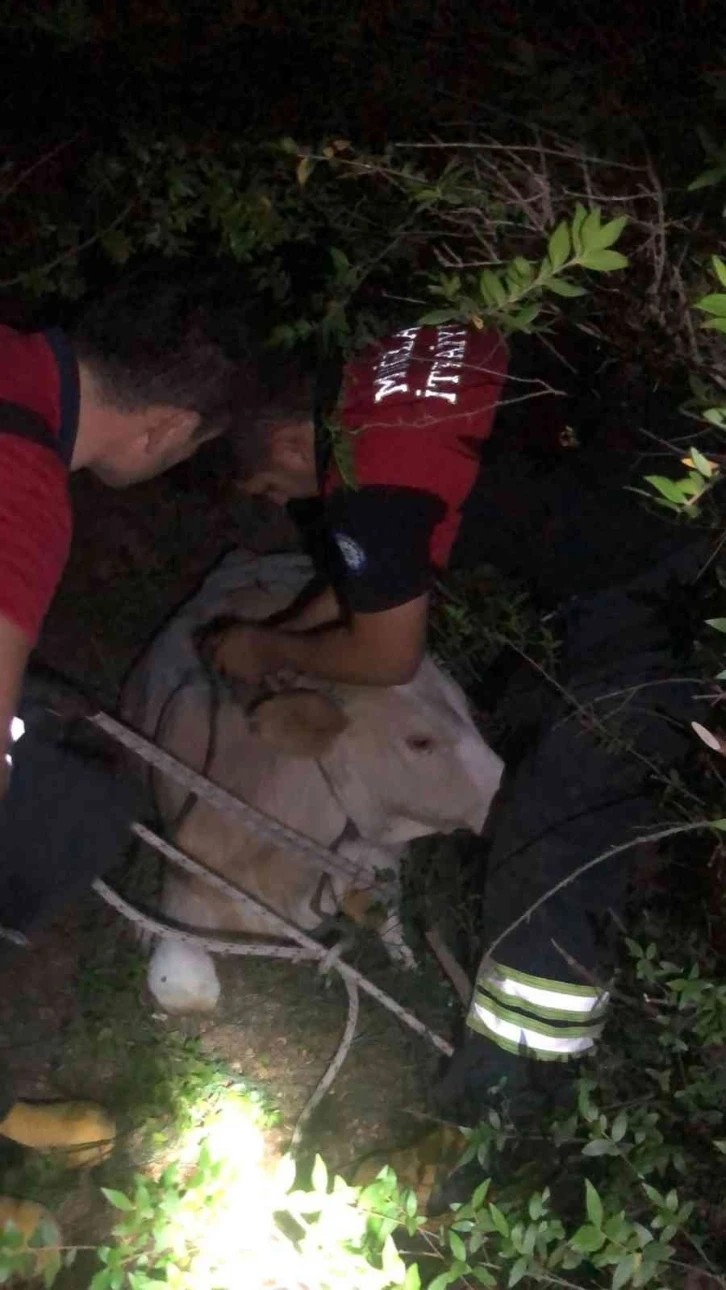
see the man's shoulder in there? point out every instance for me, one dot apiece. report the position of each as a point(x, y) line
point(425, 375)
point(28, 379)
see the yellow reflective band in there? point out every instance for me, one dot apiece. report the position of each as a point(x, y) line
point(524, 1037)
point(556, 1001)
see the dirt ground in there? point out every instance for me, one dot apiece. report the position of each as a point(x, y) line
point(75, 1017)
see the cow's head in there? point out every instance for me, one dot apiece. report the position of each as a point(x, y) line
point(303, 723)
point(403, 761)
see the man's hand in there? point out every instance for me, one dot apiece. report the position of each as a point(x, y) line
point(246, 652)
point(373, 649)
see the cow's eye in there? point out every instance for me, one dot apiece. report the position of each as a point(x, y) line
point(420, 743)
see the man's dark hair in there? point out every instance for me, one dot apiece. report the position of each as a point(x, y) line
point(283, 391)
point(182, 341)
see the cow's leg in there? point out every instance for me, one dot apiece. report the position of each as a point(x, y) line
point(363, 908)
point(376, 909)
point(394, 940)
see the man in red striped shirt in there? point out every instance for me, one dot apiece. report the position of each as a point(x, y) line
point(147, 375)
point(139, 385)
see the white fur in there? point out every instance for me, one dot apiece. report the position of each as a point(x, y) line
point(183, 978)
point(380, 778)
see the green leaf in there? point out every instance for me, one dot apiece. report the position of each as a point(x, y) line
point(412, 1279)
point(391, 1261)
point(607, 234)
point(445, 1279)
point(702, 464)
point(102, 1280)
point(577, 222)
point(587, 1239)
point(526, 316)
point(491, 289)
point(558, 246)
point(718, 624)
point(715, 303)
point(52, 1264)
point(718, 824)
point(340, 261)
point(304, 169)
point(708, 178)
point(599, 1147)
point(590, 228)
point(479, 1195)
point(320, 1176)
point(518, 1271)
point(483, 1276)
point(561, 287)
point(603, 261)
point(619, 1126)
point(436, 316)
point(720, 269)
point(670, 488)
point(499, 1220)
point(715, 324)
point(118, 1200)
point(623, 1271)
point(458, 1249)
point(593, 1204)
point(657, 1252)
point(522, 270)
point(716, 416)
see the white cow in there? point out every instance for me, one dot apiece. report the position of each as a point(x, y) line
point(357, 768)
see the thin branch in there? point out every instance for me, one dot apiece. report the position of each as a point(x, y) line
point(643, 840)
point(41, 161)
point(71, 251)
point(575, 155)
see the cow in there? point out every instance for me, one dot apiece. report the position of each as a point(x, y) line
point(360, 770)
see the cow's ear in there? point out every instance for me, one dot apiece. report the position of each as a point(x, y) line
point(302, 723)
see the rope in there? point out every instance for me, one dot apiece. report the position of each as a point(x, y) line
point(212, 944)
point(334, 1066)
point(257, 822)
point(287, 929)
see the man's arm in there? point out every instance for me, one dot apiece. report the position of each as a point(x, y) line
point(322, 610)
point(14, 650)
point(372, 649)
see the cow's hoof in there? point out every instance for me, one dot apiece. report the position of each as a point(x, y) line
point(183, 978)
point(80, 1134)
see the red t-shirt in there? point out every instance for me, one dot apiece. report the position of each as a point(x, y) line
point(38, 424)
point(416, 407)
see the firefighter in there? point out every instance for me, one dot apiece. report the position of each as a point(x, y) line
point(437, 424)
point(145, 377)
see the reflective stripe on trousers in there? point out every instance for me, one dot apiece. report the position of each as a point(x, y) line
point(535, 1017)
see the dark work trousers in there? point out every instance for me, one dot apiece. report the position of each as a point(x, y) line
point(64, 820)
point(588, 783)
